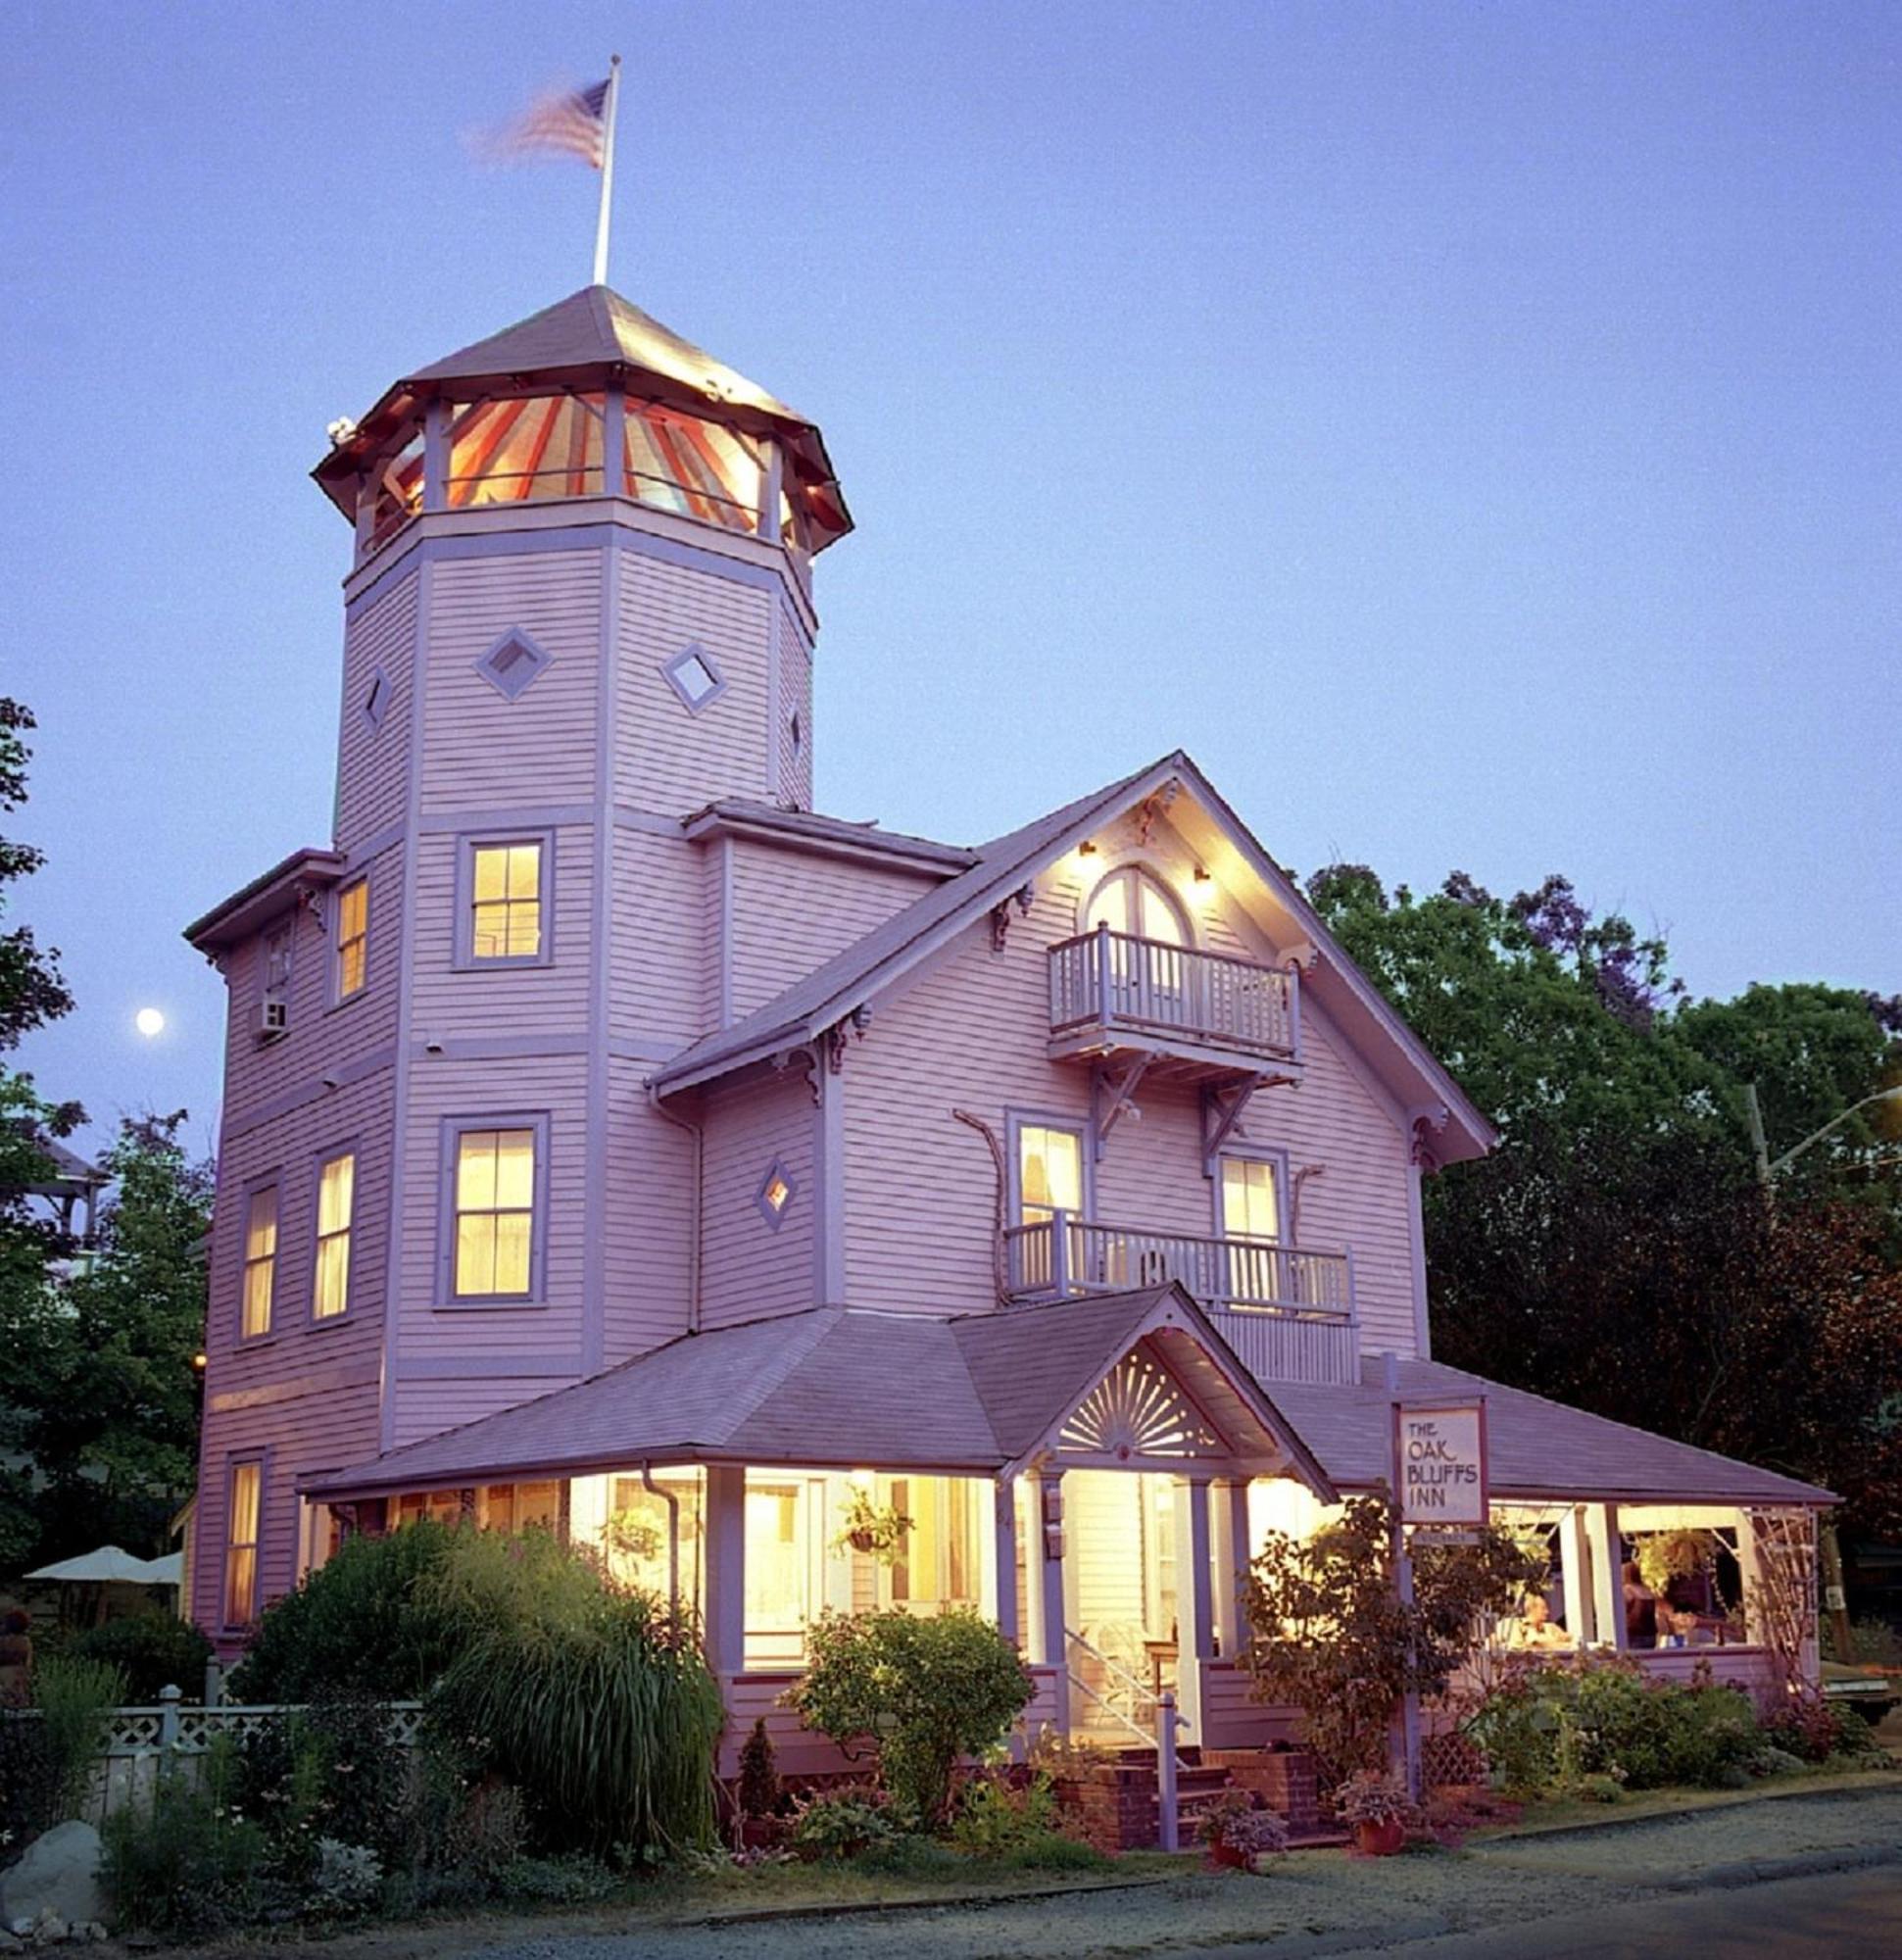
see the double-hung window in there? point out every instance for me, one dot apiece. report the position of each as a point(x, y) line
point(337, 1206)
point(274, 1005)
point(1253, 1206)
point(506, 893)
point(1050, 1180)
point(494, 1196)
point(353, 938)
point(260, 1261)
point(244, 1506)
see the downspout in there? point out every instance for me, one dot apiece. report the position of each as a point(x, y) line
point(695, 1131)
point(672, 1503)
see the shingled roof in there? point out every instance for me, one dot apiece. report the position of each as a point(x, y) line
point(839, 1386)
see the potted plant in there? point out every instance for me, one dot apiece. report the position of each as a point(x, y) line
point(875, 1528)
point(759, 1826)
point(1239, 1835)
point(1375, 1805)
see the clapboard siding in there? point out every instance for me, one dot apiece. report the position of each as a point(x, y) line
point(794, 758)
point(792, 912)
point(657, 937)
point(667, 759)
point(748, 1267)
point(649, 1223)
point(373, 761)
point(503, 999)
point(483, 751)
point(971, 1032)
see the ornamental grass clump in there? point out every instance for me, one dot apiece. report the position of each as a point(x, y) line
point(915, 1693)
point(595, 1702)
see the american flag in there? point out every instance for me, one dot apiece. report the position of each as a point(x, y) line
point(565, 121)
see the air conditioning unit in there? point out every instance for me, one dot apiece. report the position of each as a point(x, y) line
point(273, 1019)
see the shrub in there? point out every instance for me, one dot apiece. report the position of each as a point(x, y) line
point(1332, 1637)
point(844, 1823)
point(345, 1882)
point(571, 1881)
point(594, 1703)
point(758, 1773)
point(188, 1864)
point(918, 1692)
point(152, 1650)
point(1372, 1797)
point(1554, 1726)
point(1815, 1729)
point(993, 1817)
point(1875, 1643)
point(75, 1699)
point(462, 1830)
point(328, 1771)
point(1235, 1824)
point(363, 1616)
point(29, 1779)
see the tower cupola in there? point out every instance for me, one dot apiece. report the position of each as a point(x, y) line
point(588, 397)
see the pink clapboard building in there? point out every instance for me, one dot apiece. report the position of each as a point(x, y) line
point(614, 1143)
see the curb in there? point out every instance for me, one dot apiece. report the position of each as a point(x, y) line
point(1550, 1834)
point(763, 1915)
point(1801, 1865)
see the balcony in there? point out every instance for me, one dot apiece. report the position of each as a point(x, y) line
point(1287, 1311)
point(1206, 1014)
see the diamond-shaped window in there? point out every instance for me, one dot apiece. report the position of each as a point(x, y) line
point(775, 1195)
point(695, 675)
point(376, 700)
point(512, 664)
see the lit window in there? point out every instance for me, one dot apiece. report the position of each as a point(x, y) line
point(1049, 1172)
point(775, 1193)
point(937, 1566)
point(1134, 901)
point(507, 884)
point(353, 938)
point(779, 1571)
point(495, 1214)
point(336, 1199)
point(241, 1516)
point(695, 675)
point(1250, 1198)
point(260, 1261)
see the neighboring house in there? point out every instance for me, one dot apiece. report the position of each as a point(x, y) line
point(612, 1142)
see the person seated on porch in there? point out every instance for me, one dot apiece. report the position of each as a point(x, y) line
point(1686, 1629)
point(1534, 1627)
point(1640, 1609)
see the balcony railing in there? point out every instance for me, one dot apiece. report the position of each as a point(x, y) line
point(1287, 1311)
point(1115, 982)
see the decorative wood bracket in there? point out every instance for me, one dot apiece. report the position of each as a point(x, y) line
point(806, 1056)
point(1424, 1123)
point(1222, 1111)
point(1022, 897)
point(1113, 1096)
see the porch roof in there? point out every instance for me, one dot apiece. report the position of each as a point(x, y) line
point(1539, 1450)
point(841, 1387)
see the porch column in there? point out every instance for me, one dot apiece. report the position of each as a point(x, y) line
point(726, 1568)
point(1229, 1533)
point(1608, 1575)
point(1575, 1574)
point(1194, 1599)
point(1003, 1558)
point(1044, 1570)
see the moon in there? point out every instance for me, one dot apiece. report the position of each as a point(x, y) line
point(149, 1022)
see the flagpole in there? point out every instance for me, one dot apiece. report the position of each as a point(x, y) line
point(607, 168)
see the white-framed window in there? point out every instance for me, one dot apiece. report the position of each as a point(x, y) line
point(337, 1206)
point(1133, 899)
point(1253, 1197)
point(495, 1188)
point(259, 1282)
point(243, 1515)
point(1050, 1170)
point(353, 939)
point(506, 900)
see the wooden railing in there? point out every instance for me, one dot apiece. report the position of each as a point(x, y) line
point(1287, 1311)
point(1111, 980)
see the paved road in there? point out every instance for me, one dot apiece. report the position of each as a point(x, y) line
point(1836, 1917)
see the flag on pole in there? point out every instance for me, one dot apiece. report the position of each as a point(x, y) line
point(565, 121)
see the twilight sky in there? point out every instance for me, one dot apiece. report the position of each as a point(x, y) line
point(1470, 431)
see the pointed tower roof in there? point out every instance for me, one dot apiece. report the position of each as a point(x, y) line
point(585, 341)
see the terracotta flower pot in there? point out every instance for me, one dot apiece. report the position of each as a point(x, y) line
point(1224, 1856)
point(863, 1541)
point(1382, 1840)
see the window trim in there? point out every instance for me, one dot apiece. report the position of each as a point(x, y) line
point(1016, 1122)
point(1284, 1191)
point(670, 672)
point(270, 1180)
point(1143, 866)
point(338, 997)
point(451, 1131)
point(349, 1146)
point(286, 927)
point(512, 686)
point(467, 844)
point(235, 1460)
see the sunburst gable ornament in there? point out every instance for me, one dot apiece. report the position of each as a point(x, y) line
point(1137, 1411)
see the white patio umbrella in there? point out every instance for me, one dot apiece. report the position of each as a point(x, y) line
point(107, 1567)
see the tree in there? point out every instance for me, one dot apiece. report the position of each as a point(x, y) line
point(106, 1400)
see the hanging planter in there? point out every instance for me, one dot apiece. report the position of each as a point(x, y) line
point(877, 1531)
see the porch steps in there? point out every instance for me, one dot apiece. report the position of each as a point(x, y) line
point(1199, 1784)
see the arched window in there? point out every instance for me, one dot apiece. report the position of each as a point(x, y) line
point(1135, 900)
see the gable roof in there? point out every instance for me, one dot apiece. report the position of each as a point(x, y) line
point(1539, 1449)
point(837, 1387)
point(808, 829)
point(854, 977)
